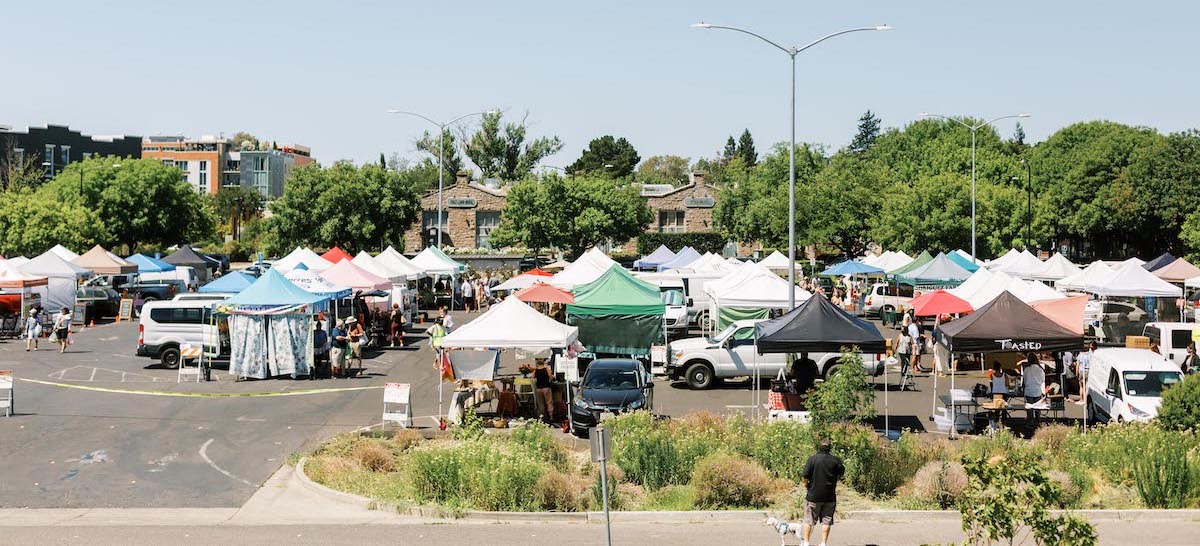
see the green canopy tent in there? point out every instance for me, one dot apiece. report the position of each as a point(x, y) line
point(940, 272)
point(617, 314)
point(921, 260)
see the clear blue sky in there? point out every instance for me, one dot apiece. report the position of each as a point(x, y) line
point(323, 73)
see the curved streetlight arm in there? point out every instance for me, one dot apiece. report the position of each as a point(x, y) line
point(1010, 116)
point(439, 124)
point(973, 127)
point(414, 114)
point(744, 31)
point(839, 33)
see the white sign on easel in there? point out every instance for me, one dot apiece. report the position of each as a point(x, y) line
point(397, 404)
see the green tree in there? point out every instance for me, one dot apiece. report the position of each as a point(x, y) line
point(836, 199)
point(33, 221)
point(17, 171)
point(143, 202)
point(603, 152)
point(503, 152)
point(245, 141)
point(571, 215)
point(382, 161)
point(428, 143)
point(746, 150)
point(225, 205)
point(752, 204)
point(1007, 500)
point(868, 131)
point(730, 149)
point(356, 208)
point(847, 394)
point(664, 169)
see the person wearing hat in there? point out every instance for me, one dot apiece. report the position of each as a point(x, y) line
point(354, 331)
point(337, 353)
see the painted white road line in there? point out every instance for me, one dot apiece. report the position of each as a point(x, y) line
point(204, 455)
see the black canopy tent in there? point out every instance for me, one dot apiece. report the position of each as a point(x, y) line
point(817, 326)
point(1160, 262)
point(1007, 324)
point(187, 256)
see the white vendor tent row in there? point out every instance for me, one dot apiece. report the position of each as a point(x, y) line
point(1003, 261)
point(1133, 281)
point(299, 256)
point(1024, 265)
point(64, 253)
point(62, 279)
point(776, 261)
point(1088, 275)
point(891, 261)
point(1056, 268)
point(983, 286)
point(511, 324)
point(376, 267)
point(435, 262)
point(751, 287)
point(393, 259)
point(589, 267)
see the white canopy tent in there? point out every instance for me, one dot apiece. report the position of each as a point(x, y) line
point(1056, 268)
point(392, 258)
point(750, 287)
point(376, 267)
point(965, 254)
point(1003, 261)
point(62, 279)
point(519, 282)
point(589, 267)
point(776, 261)
point(511, 324)
point(1023, 266)
point(1133, 281)
point(1079, 281)
point(64, 253)
point(732, 260)
point(299, 256)
point(16, 261)
point(894, 261)
point(984, 286)
point(871, 258)
point(434, 262)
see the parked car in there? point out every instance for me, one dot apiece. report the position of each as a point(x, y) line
point(1126, 385)
point(610, 385)
point(203, 296)
point(701, 361)
point(186, 274)
point(165, 326)
point(257, 270)
point(1172, 338)
point(1113, 311)
point(101, 301)
point(885, 296)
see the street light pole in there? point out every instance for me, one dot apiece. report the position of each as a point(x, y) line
point(1028, 202)
point(974, 129)
point(441, 155)
point(791, 53)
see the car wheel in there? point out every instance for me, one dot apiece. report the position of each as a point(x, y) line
point(1120, 420)
point(832, 371)
point(170, 358)
point(699, 376)
point(704, 321)
point(1091, 412)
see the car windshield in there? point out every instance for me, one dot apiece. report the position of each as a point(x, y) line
point(722, 334)
point(1149, 383)
point(672, 296)
point(610, 379)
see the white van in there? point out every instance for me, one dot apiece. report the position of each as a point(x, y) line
point(1172, 338)
point(165, 326)
point(885, 296)
point(203, 296)
point(1126, 385)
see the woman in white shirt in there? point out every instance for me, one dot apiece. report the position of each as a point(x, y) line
point(62, 328)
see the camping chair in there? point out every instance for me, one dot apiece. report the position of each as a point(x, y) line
point(6, 392)
point(9, 326)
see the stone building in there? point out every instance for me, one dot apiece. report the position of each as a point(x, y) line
point(470, 212)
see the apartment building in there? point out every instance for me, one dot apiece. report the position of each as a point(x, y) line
point(58, 146)
point(212, 162)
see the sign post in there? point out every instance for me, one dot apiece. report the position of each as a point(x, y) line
point(601, 448)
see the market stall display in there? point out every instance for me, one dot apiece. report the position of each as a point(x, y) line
point(270, 328)
point(101, 262)
point(618, 314)
point(62, 279)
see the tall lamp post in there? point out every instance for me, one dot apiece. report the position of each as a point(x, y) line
point(973, 128)
point(441, 154)
point(1028, 201)
point(791, 53)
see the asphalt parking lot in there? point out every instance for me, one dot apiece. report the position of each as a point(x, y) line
point(100, 427)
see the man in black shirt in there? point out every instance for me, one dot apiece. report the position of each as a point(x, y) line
point(821, 474)
point(805, 372)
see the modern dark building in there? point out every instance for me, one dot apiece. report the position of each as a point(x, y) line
point(56, 146)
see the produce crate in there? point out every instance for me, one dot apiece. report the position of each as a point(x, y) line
point(1137, 342)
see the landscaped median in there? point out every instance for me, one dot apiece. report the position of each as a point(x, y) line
point(703, 462)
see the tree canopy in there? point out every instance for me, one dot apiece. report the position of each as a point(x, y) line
point(614, 157)
point(502, 150)
point(571, 215)
point(664, 169)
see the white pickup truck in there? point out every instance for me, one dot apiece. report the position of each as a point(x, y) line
point(885, 296)
point(701, 361)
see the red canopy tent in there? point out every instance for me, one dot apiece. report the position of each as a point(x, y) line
point(538, 272)
point(940, 302)
point(544, 293)
point(336, 255)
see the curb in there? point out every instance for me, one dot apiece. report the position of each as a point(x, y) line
point(705, 516)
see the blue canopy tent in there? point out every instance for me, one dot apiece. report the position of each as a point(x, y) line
point(232, 283)
point(686, 256)
point(146, 264)
point(851, 267)
point(661, 255)
point(270, 328)
point(963, 261)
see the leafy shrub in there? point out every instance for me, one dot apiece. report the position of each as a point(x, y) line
point(559, 492)
point(671, 498)
point(1163, 474)
point(1053, 438)
point(702, 241)
point(1007, 496)
point(537, 440)
point(406, 438)
point(470, 428)
point(846, 395)
point(374, 457)
point(858, 446)
point(940, 483)
point(1071, 487)
point(1180, 409)
point(1001, 444)
point(615, 499)
point(1114, 449)
point(484, 475)
point(725, 480)
point(783, 447)
point(654, 453)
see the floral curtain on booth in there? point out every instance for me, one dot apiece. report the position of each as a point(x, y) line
point(248, 351)
point(290, 344)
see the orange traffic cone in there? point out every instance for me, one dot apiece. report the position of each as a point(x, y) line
point(93, 324)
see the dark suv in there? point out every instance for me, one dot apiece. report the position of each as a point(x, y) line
point(610, 385)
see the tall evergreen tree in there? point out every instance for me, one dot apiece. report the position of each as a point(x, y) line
point(1017, 142)
point(868, 130)
point(382, 161)
point(730, 149)
point(746, 150)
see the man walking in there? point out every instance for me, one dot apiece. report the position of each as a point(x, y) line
point(821, 474)
point(468, 294)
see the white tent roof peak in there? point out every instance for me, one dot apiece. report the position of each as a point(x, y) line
point(1133, 281)
point(511, 324)
point(304, 256)
point(395, 260)
point(589, 267)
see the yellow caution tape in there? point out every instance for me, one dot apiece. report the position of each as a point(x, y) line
point(201, 394)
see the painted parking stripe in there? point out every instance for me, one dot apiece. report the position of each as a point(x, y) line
point(201, 394)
